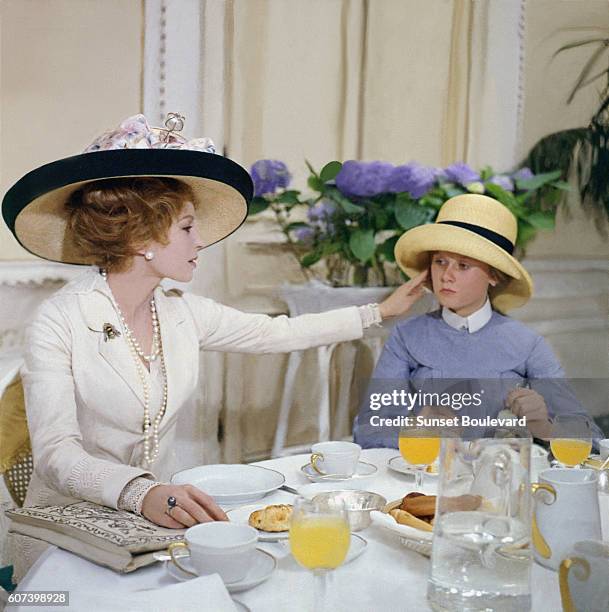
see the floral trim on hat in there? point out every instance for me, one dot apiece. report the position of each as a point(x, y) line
point(135, 133)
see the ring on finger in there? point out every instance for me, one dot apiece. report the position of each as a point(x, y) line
point(179, 518)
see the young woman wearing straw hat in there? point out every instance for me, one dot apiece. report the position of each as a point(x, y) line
point(112, 357)
point(467, 257)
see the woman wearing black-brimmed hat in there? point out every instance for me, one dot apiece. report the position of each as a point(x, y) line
point(112, 357)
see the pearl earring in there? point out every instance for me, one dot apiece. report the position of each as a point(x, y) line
point(148, 255)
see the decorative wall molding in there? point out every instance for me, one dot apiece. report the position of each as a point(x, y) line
point(44, 274)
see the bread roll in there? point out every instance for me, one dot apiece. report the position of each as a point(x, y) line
point(405, 518)
point(460, 503)
point(421, 505)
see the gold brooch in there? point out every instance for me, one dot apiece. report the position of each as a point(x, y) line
point(110, 332)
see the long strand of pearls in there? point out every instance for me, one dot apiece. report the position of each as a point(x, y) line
point(151, 426)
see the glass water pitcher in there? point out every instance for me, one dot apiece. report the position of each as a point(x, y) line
point(481, 555)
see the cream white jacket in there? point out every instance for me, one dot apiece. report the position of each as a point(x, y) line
point(84, 398)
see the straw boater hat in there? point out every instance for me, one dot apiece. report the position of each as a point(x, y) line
point(34, 208)
point(476, 226)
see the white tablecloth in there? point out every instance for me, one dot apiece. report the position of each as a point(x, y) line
point(386, 577)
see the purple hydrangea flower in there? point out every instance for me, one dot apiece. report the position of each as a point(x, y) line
point(363, 179)
point(269, 175)
point(414, 178)
point(505, 182)
point(400, 179)
point(524, 174)
point(461, 173)
point(423, 179)
point(304, 234)
point(322, 211)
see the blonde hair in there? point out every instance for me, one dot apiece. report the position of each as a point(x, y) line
point(111, 219)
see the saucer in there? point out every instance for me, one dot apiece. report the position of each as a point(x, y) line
point(261, 569)
point(241, 516)
point(363, 470)
point(399, 464)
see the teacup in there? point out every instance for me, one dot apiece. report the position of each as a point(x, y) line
point(335, 458)
point(603, 448)
point(584, 577)
point(566, 510)
point(218, 548)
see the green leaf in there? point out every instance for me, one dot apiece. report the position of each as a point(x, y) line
point(562, 185)
point(330, 170)
point(362, 244)
point(257, 205)
point(382, 218)
point(434, 201)
point(314, 182)
point(345, 203)
point(505, 197)
point(288, 197)
point(486, 173)
point(329, 248)
point(387, 249)
point(409, 214)
point(452, 190)
point(539, 180)
point(542, 220)
point(526, 232)
point(296, 225)
point(310, 258)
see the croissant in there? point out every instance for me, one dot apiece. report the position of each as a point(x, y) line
point(272, 518)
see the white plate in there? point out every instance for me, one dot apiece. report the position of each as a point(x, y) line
point(399, 464)
point(231, 483)
point(364, 470)
point(261, 569)
point(241, 516)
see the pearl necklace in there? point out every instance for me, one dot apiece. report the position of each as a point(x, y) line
point(150, 427)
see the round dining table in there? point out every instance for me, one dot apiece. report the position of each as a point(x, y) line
point(387, 576)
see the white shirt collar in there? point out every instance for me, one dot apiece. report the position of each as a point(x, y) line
point(475, 321)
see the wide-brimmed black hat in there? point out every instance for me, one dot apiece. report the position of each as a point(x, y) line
point(34, 207)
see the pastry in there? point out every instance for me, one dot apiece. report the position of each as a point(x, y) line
point(405, 518)
point(419, 504)
point(272, 518)
point(460, 503)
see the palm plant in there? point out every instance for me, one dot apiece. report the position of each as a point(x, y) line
point(584, 150)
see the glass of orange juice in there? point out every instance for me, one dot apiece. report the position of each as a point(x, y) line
point(419, 447)
point(571, 440)
point(319, 540)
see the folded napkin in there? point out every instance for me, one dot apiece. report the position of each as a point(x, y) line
point(117, 539)
point(386, 520)
point(203, 593)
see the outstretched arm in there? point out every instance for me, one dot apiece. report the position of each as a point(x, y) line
point(222, 328)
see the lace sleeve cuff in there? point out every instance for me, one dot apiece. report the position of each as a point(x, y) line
point(370, 315)
point(132, 495)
